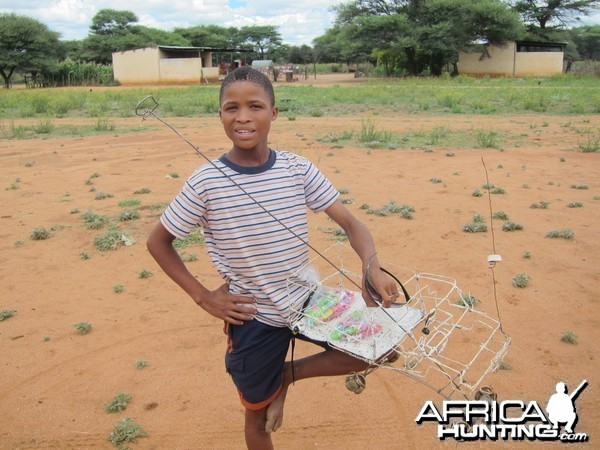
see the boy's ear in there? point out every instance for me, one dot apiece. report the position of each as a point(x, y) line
point(274, 113)
point(220, 117)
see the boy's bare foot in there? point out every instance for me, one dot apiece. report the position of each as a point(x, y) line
point(275, 409)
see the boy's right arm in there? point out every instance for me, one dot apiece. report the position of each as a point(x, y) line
point(220, 303)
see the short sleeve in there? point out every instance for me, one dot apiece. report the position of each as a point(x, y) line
point(320, 193)
point(185, 212)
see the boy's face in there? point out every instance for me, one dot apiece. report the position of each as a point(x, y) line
point(246, 114)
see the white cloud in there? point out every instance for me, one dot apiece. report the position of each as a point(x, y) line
point(298, 22)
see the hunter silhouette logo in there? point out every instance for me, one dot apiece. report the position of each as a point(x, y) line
point(561, 406)
point(486, 418)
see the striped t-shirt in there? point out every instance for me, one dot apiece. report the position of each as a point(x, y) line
point(251, 250)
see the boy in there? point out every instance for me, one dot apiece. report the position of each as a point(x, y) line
point(252, 203)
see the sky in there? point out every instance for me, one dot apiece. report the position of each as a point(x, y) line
point(298, 21)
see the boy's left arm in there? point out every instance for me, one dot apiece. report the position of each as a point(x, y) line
point(362, 242)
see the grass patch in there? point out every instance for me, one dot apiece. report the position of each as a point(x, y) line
point(144, 273)
point(83, 327)
point(39, 234)
point(338, 233)
point(511, 226)
point(569, 337)
point(6, 314)
point(487, 139)
point(196, 237)
point(575, 205)
point(118, 288)
point(392, 207)
point(579, 187)
point(128, 214)
point(141, 364)
point(566, 233)
point(93, 221)
point(369, 134)
point(504, 365)
point(111, 240)
point(477, 224)
point(118, 403)
point(590, 145)
point(540, 205)
point(521, 280)
point(468, 300)
point(103, 195)
point(129, 203)
point(126, 430)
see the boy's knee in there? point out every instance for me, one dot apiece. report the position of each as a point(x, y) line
point(256, 420)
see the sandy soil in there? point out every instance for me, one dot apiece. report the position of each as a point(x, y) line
point(55, 382)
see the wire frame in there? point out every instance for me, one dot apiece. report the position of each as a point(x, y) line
point(437, 338)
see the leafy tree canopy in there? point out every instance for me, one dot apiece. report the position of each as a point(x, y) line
point(26, 45)
point(416, 33)
point(264, 38)
point(553, 13)
point(112, 22)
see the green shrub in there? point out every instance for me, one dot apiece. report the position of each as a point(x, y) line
point(83, 327)
point(118, 403)
point(567, 233)
point(125, 431)
point(111, 240)
point(39, 234)
point(521, 280)
point(569, 337)
point(6, 314)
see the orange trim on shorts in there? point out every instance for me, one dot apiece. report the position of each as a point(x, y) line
point(260, 405)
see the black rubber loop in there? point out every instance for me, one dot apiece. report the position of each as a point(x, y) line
point(375, 295)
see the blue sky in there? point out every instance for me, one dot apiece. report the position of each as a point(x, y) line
point(298, 21)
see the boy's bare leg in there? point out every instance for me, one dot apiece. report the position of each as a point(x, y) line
point(254, 429)
point(327, 363)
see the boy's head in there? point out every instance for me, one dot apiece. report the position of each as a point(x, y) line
point(246, 73)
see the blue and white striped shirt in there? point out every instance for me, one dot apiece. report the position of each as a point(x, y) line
point(251, 250)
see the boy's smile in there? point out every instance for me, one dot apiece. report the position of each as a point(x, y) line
point(246, 114)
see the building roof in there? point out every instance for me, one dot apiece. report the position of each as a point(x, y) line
point(198, 49)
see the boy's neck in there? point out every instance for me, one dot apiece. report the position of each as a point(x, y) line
point(248, 158)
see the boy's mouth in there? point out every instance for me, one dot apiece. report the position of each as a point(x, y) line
point(244, 132)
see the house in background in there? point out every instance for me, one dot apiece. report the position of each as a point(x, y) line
point(516, 59)
point(165, 64)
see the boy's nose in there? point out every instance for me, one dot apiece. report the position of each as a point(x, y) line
point(243, 115)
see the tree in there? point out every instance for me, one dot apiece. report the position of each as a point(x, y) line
point(587, 41)
point(541, 15)
point(25, 45)
point(116, 31)
point(414, 34)
point(264, 38)
point(213, 36)
point(112, 22)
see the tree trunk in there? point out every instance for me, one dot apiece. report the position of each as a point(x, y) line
point(435, 65)
point(7, 77)
point(411, 61)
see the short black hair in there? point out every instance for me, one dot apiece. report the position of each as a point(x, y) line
point(247, 73)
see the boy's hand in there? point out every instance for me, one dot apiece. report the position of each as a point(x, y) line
point(385, 286)
point(233, 309)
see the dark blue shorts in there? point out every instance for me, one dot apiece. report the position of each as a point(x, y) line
point(255, 356)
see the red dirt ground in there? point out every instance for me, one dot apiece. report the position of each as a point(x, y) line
point(56, 382)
